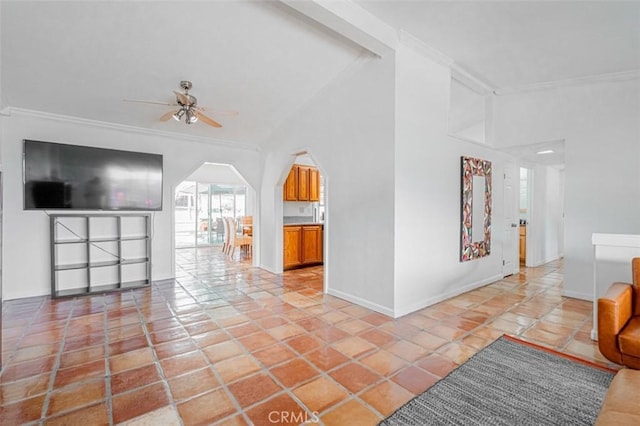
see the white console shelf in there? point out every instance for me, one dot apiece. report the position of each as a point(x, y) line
point(97, 253)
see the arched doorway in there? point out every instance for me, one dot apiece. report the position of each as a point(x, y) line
point(304, 217)
point(210, 193)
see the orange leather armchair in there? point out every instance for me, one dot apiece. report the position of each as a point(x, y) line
point(619, 321)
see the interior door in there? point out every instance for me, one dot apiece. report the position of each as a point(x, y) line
point(510, 263)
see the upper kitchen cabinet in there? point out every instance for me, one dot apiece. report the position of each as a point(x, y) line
point(302, 184)
point(291, 185)
point(314, 184)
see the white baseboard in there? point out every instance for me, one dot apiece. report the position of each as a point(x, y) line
point(551, 259)
point(397, 313)
point(444, 296)
point(578, 295)
point(360, 301)
point(269, 269)
point(538, 262)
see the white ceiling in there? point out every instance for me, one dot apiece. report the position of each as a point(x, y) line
point(510, 44)
point(265, 60)
point(546, 153)
point(83, 58)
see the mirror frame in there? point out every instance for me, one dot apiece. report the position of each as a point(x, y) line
point(470, 250)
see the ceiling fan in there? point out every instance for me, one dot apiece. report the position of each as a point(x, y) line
point(188, 108)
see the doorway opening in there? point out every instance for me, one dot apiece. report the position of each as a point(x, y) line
point(304, 242)
point(524, 213)
point(203, 199)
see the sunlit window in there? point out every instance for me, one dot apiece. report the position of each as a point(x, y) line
point(199, 209)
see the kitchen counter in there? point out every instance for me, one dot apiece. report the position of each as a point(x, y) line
point(303, 223)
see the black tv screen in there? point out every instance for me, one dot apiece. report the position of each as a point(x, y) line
point(60, 176)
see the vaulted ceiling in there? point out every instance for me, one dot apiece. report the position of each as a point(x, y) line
point(265, 59)
point(511, 44)
point(82, 59)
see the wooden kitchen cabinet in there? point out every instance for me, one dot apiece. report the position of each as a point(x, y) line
point(311, 244)
point(290, 190)
point(314, 184)
point(302, 184)
point(292, 243)
point(302, 245)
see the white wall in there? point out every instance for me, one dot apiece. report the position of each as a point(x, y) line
point(2, 226)
point(601, 126)
point(222, 174)
point(348, 129)
point(545, 232)
point(276, 168)
point(393, 221)
point(466, 112)
point(563, 230)
point(427, 192)
point(26, 236)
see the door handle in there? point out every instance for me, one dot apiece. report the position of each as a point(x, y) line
point(514, 225)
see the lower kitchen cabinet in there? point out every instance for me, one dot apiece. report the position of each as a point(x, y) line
point(302, 245)
point(292, 246)
point(311, 244)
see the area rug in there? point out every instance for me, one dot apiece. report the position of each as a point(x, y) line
point(511, 382)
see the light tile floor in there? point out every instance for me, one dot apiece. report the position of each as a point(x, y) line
point(231, 344)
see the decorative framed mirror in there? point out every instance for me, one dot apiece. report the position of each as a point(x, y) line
point(475, 241)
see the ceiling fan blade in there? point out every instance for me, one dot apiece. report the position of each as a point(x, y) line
point(167, 116)
point(139, 101)
point(207, 120)
point(183, 98)
point(215, 111)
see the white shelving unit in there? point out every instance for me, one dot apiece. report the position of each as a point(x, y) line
point(99, 253)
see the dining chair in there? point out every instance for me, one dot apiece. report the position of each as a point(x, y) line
point(227, 237)
point(245, 242)
point(247, 225)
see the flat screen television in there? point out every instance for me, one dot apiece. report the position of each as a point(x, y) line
point(73, 177)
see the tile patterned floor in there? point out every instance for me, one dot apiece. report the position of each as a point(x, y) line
point(227, 343)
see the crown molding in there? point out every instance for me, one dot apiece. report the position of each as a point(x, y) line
point(415, 43)
point(9, 111)
point(458, 73)
point(589, 79)
point(470, 81)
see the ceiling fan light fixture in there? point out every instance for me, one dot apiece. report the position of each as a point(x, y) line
point(178, 114)
point(191, 117)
